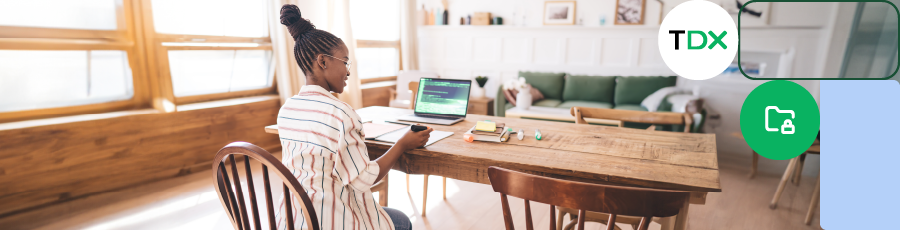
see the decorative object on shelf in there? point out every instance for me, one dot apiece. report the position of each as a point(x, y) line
point(602, 19)
point(479, 92)
point(445, 18)
point(523, 98)
point(462, 21)
point(481, 18)
point(630, 12)
point(559, 13)
point(498, 21)
point(469, 19)
point(422, 17)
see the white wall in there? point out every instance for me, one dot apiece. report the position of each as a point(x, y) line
point(499, 52)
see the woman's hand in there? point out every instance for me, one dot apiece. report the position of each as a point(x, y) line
point(412, 140)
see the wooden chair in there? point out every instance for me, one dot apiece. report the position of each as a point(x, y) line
point(414, 86)
point(621, 115)
point(616, 200)
point(231, 194)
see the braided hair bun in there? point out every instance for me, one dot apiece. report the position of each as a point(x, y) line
point(290, 17)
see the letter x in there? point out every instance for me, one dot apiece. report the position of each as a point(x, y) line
point(717, 39)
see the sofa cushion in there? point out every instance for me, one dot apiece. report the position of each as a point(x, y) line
point(589, 88)
point(550, 84)
point(587, 104)
point(547, 103)
point(633, 90)
point(630, 107)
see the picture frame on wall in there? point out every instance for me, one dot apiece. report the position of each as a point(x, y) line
point(559, 13)
point(630, 12)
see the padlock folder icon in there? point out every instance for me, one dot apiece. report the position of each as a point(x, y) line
point(788, 124)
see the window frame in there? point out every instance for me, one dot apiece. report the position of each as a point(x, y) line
point(147, 58)
point(159, 57)
point(381, 44)
point(123, 38)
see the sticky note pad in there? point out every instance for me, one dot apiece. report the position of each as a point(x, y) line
point(486, 126)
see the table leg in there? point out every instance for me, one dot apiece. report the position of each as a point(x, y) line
point(666, 223)
point(682, 217)
point(755, 163)
point(424, 194)
point(784, 180)
point(813, 202)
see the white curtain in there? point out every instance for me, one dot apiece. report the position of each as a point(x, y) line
point(339, 25)
point(331, 16)
point(408, 45)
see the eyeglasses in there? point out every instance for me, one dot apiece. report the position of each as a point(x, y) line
point(347, 62)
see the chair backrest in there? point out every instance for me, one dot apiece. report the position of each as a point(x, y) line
point(621, 115)
point(407, 76)
point(615, 200)
point(232, 197)
point(414, 87)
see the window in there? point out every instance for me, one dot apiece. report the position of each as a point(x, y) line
point(64, 57)
point(213, 49)
point(376, 28)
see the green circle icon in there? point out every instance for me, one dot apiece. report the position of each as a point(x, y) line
point(780, 120)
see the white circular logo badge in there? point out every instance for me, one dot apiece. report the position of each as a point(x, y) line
point(698, 40)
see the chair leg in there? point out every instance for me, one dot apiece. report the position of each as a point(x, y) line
point(813, 203)
point(753, 166)
point(445, 187)
point(784, 180)
point(383, 194)
point(424, 194)
point(407, 183)
point(799, 170)
point(559, 219)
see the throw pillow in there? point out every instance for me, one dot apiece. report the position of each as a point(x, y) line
point(550, 84)
point(510, 95)
point(652, 102)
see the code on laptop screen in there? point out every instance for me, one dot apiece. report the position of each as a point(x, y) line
point(437, 96)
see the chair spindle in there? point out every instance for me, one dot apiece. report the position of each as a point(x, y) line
point(287, 208)
point(645, 223)
point(552, 217)
point(235, 211)
point(240, 193)
point(581, 215)
point(528, 224)
point(269, 209)
point(507, 215)
point(252, 190)
point(611, 223)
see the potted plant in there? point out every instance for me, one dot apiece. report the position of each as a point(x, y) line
point(479, 92)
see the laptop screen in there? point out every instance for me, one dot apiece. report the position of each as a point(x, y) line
point(443, 96)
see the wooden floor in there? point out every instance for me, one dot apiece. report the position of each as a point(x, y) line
point(190, 202)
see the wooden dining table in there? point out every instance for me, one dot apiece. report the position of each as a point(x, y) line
point(585, 153)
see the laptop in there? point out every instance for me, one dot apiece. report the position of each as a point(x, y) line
point(440, 101)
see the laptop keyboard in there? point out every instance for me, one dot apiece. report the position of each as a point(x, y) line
point(437, 116)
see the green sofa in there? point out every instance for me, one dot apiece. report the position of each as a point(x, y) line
point(609, 92)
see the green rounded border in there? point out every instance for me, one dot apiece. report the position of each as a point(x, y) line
point(807, 78)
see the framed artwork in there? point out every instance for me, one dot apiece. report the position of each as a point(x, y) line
point(630, 12)
point(559, 13)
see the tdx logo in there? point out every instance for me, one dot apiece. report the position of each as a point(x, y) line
point(697, 40)
point(717, 39)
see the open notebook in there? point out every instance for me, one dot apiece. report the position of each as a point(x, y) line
point(396, 135)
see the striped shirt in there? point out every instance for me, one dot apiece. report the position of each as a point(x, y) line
point(323, 146)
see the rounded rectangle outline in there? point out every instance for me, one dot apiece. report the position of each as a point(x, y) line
point(810, 78)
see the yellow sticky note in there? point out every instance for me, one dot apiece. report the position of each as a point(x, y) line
point(486, 126)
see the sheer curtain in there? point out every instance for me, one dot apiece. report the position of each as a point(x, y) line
point(331, 16)
point(408, 45)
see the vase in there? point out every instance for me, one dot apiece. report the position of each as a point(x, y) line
point(478, 92)
point(523, 99)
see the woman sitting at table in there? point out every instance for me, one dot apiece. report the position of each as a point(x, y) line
point(322, 139)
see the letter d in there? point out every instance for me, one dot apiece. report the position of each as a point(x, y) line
point(690, 34)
